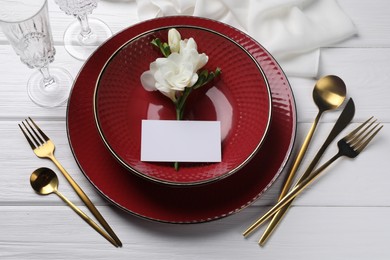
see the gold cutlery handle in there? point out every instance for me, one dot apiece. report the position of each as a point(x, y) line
point(275, 220)
point(86, 200)
point(344, 119)
point(290, 196)
point(300, 156)
point(86, 219)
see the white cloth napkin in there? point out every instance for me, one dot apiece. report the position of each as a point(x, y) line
point(291, 30)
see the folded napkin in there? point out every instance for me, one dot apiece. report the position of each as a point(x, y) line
point(291, 30)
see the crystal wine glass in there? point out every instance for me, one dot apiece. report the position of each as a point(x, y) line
point(26, 25)
point(83, 36)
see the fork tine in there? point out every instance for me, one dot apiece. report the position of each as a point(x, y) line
point(357, 129)
point(358, 137)
point(35, 132)
point(39, 130)
point(36, 142)
point(365, 143)
point(27, 137)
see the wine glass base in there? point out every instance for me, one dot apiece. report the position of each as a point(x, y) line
point(82, 47)
point(54, 94)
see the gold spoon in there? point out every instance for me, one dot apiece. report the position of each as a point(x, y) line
point(44, 181)
point(328, 94)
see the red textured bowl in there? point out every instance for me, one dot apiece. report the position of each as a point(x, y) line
point(240, 98)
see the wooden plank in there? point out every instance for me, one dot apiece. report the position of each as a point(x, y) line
point(371, 19)
point(306, 233)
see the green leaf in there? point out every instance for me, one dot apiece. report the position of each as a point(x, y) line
point(218, 71)
point(164, 47)
point(205, 77)
point(156, 42)
point(202, 77)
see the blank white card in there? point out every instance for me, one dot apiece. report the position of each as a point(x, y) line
point(180, 141)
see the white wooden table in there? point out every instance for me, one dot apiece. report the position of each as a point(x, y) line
point(345, 215)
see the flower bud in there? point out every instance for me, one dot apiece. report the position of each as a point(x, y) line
point(174, 38)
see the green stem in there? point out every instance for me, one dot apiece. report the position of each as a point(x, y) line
point(178, 117)
point(179, 114)
point(179, 104)
point(176, 165)
point(182, 100)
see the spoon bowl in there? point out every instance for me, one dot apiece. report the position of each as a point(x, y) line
point(329, 93)
point(44, 181)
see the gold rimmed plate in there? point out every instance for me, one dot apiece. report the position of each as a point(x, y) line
point(177, 204)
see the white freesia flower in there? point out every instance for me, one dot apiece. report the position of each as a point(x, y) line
point(174, 38)
point(176, 72)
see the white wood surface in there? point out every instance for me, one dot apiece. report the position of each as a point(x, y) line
point(344, 215)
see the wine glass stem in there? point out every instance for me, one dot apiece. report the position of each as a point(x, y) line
point(85, 29)
point(47, 78)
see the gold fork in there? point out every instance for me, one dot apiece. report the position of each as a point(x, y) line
point(43, 147)
point(351, 146)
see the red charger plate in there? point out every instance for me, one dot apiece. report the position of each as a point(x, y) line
point(179, 204)
point(239, 98)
